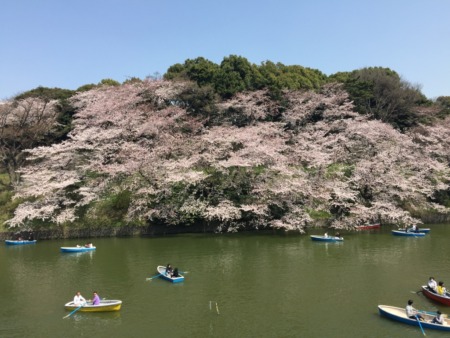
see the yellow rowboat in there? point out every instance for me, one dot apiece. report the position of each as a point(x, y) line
point(105, 305)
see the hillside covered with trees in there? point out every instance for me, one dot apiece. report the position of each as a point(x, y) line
point(232, 147)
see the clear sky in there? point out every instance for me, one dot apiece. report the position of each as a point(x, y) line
point(66, 44)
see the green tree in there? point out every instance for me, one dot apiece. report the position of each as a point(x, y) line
point(86, 87)
point(46, 94)
point(199, 100)
point(237, 74)
point(381, 93)
point(109, 82)
point(278, 76)
point(200, 70)
point(132, 80)
point(443, 104)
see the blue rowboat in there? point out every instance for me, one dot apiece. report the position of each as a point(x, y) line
point(162, 273)
point(399, 314)
point(409, 234)
point(77, 248)
point(21, 242)
point(326, 238)
point(425, 230)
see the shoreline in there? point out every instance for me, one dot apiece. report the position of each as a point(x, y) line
point(147, 231)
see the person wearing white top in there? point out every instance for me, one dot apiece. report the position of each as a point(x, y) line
point(439, 319)
point(79, 300)
point(432, 285)
point(411, 312)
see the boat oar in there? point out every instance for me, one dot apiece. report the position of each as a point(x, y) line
point(150, 278)
point(420, 325)
point(73, 311)
point(428, 312)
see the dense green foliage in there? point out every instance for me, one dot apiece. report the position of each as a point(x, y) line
point(444, 104)
point(46, 94)
point(381, 93)
point(236, 74)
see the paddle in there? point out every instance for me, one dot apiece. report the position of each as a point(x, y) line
point(420, 325)
point(74, 311)
point(150, 278)
point(428, 312)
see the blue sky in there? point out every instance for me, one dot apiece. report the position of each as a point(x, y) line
point(66, 44)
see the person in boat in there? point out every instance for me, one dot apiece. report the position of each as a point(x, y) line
point(413, 228)
point(31, 236)
point(79, 300)
point(337, 235)
point(175, 273)
point(88, 245)
point(96, 299)
point(325, 235)
point(169, 270)
point(441, 289)
point(438, 319)
point(432, 285)
point(411, 312)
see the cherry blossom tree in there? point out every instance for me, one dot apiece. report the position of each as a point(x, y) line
point(23, 124)
point(311, 161)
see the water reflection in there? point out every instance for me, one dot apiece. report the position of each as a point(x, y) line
point(96, 316)
point(265, 286)
point(72, 255)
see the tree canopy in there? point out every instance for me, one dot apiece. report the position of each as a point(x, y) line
point(236, 74)
point(141, 153)
point(382, 94)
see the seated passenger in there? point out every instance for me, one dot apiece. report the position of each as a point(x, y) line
point(441, 289)
point(175, 273)
point(414, 228)
point(438, 319)
point(432, 285)
point(169, 270)
point(96, 299)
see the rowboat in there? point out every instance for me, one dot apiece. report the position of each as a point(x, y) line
point(368, 227)
point(399, 314)
point(162, 273)
point(77, 248)
point(104, 306)
point(425, 230)
point(435, 296)
point(326, 238)
point(406, 233)
point(19, 242)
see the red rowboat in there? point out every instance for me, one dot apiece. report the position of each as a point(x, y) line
point(435, 296)
point(368, 227)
